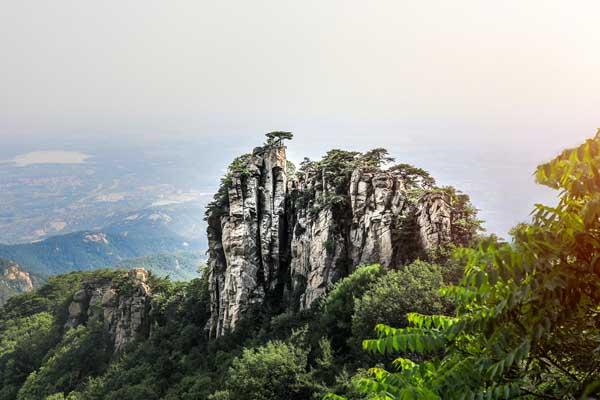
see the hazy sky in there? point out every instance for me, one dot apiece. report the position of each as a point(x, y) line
point(444, 84)
point(177, 65)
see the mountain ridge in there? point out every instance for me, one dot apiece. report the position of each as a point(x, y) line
point(86, 250)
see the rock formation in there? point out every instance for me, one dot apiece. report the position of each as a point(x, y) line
point(14, 280)
point(276, 239)
point(245, 246)
point(124, 309)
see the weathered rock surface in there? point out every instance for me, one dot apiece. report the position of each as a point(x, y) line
point(245, 245)
point(434, 220)
point(13, 280)
point(279, 238)
point(124, 310)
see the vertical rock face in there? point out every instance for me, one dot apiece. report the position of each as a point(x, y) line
point(318, 250)
point(124, 312)
point(282, 239)
point(434, 220)
point(379, 204)
point(246, 244)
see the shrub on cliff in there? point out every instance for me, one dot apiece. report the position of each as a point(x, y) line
point(271, 372)
point(414, 288)
point(338, 306)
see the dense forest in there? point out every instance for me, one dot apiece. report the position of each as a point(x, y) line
point(477, 319)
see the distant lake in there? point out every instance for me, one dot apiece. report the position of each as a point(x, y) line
point(49, 157)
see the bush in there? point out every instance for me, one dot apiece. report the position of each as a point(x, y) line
point(135, 392)
point(415, 288)
point(338, 306)
point(272, 372)
point(197, 386)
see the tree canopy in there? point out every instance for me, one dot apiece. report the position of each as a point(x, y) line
point(376, 157)
point(277, 137)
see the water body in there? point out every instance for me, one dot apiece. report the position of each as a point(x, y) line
point(49, 157)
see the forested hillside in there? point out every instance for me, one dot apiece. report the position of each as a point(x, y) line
point(470, 317)
point(95, 249)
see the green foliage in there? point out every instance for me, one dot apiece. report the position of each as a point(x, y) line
point(338, 307)
point(332, 174)
point(83, 352)
point(465, 224)
point(290, 168)
point(526, 313)
point(52, 297)
point(220, 203)
point(134, 392)
point(239, 166)
point(413, 176)
point(239, 169)
point(271, 372)
point(336, 167)
point(277, 137)
point(292, 355)
point(376, 158)
point(414, 288)
point(173, 362)
point(24, 343)
point(330, 245)
point(329, 191)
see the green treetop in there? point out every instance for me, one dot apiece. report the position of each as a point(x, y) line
point(277, 137)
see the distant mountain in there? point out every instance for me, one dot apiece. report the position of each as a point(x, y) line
point(183, 219)
point(145, 234)
point(14, 280)
point(178, 267)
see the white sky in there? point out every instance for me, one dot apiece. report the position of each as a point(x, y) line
point(115, 66)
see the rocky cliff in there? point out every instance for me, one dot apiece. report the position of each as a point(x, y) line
point(281, 239)
point(14, 280)
point(123, 307)
point(247, 244)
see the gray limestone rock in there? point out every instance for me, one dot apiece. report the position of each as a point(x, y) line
point(290, 238)
point(245, 244)
point(125, 315)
